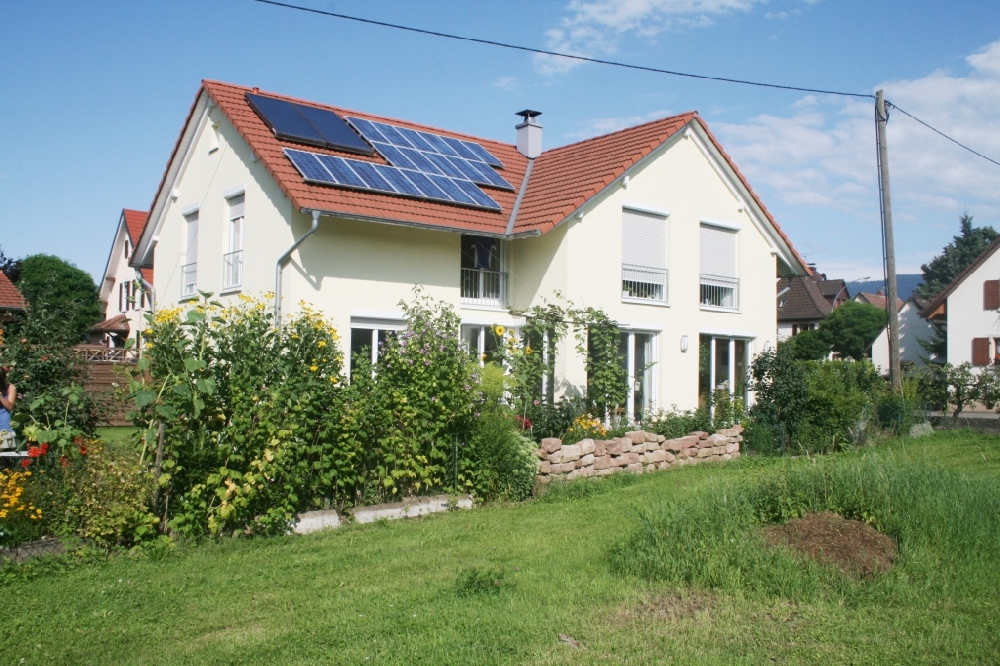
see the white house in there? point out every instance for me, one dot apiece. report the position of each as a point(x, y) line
point(969, 307)
point(122, 293)
point(912, 329)
point(348, 211)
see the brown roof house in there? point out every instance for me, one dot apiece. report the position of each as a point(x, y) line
point(348, 211)
point(970, 308)
point(11, 302)
point(125, 291)
point(803, 301)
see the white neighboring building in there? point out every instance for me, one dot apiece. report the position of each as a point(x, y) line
point(912, 328)
point(125, 301)
point(969, 306)
point(653, 224)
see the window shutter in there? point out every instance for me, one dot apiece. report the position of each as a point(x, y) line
point(644, 240)
point(991, 295)
point(192, 238)
point(236, 206)
point(980, 351)
point(121, 298)
point(718, 251)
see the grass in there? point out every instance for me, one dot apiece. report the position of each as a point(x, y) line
point(405, 591)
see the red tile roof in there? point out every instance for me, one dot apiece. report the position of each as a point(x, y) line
point(562, 179)
point(802, 301)
point(878, 300)
point(10, 296)
point(135, 222)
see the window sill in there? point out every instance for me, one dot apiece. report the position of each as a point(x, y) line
point(716, 308)
point(489, 308)
point(645, 301)
point(186, 299)
point(231, 290)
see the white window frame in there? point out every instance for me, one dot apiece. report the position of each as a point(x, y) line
point(731, 378)
point(375, 325)
point(722, 282)
point(232, 261)
point(654, 362)
point(631, 271)
point(191, 216)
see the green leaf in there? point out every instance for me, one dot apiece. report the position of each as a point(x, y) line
point(144, 398)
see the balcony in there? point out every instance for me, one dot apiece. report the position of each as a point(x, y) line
point(644, 284)
point(485, 289)
point(720, 292)
point(232, 270)
point(189, 280)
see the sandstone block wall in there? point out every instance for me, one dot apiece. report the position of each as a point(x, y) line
point(636, 452)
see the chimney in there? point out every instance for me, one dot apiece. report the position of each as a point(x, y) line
point(529, 134)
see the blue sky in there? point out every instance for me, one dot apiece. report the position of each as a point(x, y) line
point(93, 95)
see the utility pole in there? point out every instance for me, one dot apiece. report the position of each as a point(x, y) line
point(890, 254)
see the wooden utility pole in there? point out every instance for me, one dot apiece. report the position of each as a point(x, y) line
point(890, 254)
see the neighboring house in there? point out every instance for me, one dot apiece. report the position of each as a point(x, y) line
point(125, 300)
point(11, 302)
point(804, 300)
point(912, 329)
point(654, 224)
point(969, 308)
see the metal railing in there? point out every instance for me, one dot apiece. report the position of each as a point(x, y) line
point(648, 284)
point(484, 288)
point(103, 353)
point(189, 279)
point(232, 270)
point(718, 291)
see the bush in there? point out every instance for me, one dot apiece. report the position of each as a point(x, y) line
point(19, 517)
point(673, 423)
point(841, 397)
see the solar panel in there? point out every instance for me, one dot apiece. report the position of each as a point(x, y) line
point(488, 175)
point(460, 148)
point(358, 174)
point(414, 137)
point(421, 161)
point(443, 163)
point(306, 124)
point(395, 156)
point(393, 135)
point(368, 129)
point(439, 144)
point(483, 154)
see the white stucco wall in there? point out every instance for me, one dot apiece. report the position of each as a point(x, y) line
point(911, 329)
point(966, 317)
point(119, 272)
point(356, 268)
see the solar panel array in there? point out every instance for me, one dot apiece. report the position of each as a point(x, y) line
point(432, 154)
point(362, 175)
point(307, 124)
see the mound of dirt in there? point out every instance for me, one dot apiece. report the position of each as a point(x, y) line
point(856, 548)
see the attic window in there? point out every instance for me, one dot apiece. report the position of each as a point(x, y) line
point(213, 139)
point(781, 303)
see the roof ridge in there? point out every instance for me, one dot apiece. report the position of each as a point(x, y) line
point(942, 296)
point(630, 128)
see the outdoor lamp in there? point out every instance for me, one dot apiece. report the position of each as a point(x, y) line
point(684, 343)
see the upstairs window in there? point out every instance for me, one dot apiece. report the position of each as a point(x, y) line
point(644, 257)
point(484, 272)
point(232, 261)
point(719, 281)
point(189, 271)
point(991, 295)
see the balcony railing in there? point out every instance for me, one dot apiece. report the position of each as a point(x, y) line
point(189, 279)
point(484, 288)
point(232, 270)
point(720, 292)
point(641, 283)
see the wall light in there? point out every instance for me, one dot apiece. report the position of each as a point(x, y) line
point(684, 343)
point(767, 345)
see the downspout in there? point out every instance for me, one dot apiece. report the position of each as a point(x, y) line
point(284, 260)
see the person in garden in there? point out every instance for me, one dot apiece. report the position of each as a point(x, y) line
point(8, 395)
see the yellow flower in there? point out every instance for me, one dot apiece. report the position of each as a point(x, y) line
point(527, 350)
point(498, 329)
point(321, 344)
point(313, 368)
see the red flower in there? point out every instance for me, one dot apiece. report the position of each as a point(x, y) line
point(78, 440)
point(45, 358)
point(25, 463)
point(45, 448)
point(34, 451)
point(83, 450)
point(63, 461)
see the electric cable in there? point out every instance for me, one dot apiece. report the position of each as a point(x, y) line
point(516, 47)
point(937, 131)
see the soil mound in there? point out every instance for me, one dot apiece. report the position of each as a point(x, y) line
point(856, 548)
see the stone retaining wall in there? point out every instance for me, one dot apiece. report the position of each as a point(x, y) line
point(636, 452)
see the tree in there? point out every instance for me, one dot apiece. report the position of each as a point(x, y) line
point(808, 346)
point(956, 256)
point(63, 289)
point(852, 328)
point(10, 267)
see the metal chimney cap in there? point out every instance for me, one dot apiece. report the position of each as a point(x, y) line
point(528, 114)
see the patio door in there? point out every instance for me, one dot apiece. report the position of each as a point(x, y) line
point(723, 366)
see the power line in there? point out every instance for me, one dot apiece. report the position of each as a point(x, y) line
point(937, 131)
point(516, 47)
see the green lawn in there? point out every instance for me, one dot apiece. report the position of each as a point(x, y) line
point(387, 593)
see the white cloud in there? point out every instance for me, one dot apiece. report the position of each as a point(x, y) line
point(507, 83)
point(593, 27)
point(819, 159)
point(599, 126)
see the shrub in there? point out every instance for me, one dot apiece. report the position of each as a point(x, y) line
point(673, 423)
point(19, 517)
point(842, 396)
point(782, 394)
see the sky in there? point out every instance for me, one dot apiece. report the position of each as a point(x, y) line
point(93, 96)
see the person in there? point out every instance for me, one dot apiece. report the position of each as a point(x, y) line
point(8, 395)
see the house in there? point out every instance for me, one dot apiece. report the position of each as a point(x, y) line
point(912, 329)
point(11, 302)
point(122, 293)
point(348, 211)
point(969, 309)
point(804, 300)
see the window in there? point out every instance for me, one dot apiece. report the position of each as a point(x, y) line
point(719, 282)
point(367, 338)
point(128, 248)
point(638, 358)
point(189, 271)
point(980, 351)
point(482, 343)
point(723, 366)
point(644, 257)
point(991, 295)
point(799, 328)
point(232, 261)
point(484, 272)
